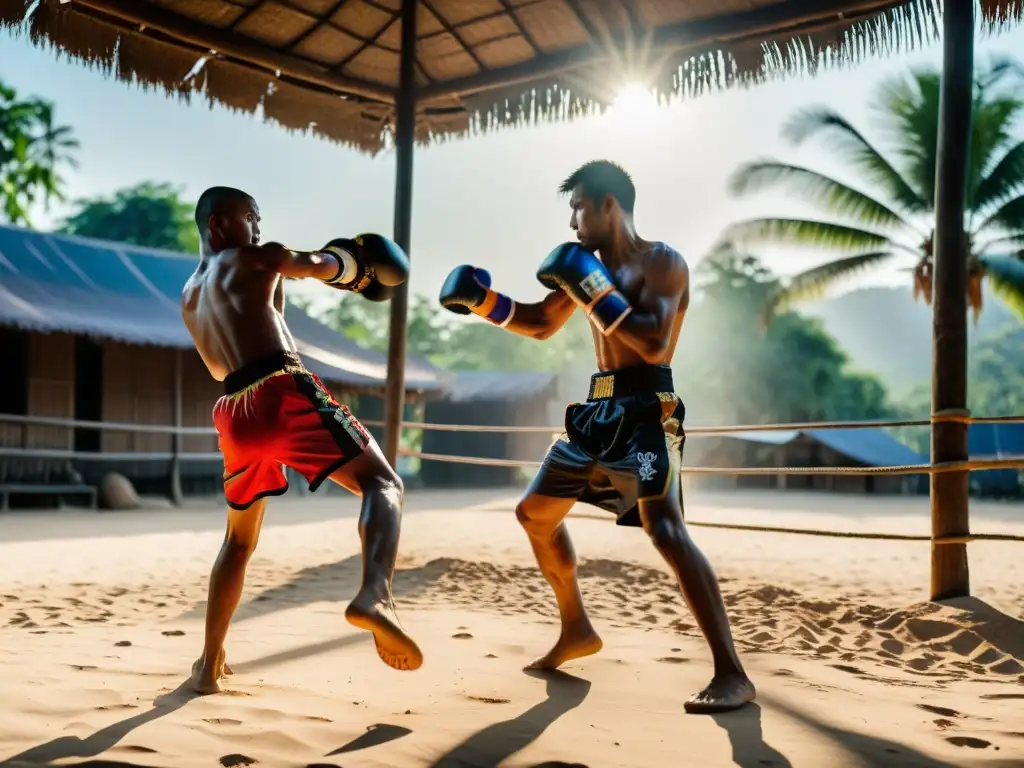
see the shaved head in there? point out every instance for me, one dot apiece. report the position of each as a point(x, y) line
point(220, 201)
point(227, 218)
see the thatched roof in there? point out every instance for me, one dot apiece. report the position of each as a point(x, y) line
point(332, 66)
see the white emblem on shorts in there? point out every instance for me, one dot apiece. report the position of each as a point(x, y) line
point(647, 472)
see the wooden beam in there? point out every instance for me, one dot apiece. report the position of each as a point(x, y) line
point(950, 576)
point(788, 17)
point(455, 34)
point(180, 28)
point(405, 143)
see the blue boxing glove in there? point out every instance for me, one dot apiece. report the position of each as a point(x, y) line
point(468, 290)
point(585, 279)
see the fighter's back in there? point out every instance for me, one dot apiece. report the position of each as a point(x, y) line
point(234, 311)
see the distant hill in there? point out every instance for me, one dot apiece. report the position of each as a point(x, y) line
point(885, 332)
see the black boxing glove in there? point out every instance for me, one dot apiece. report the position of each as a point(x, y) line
point(365, 260)
point(468, 290)
point(378, 292)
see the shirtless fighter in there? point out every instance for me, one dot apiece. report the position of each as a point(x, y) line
point(275, 413)
point(621, 448)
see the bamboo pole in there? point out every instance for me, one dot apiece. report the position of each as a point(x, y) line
point(405, 138)
point(950, 576)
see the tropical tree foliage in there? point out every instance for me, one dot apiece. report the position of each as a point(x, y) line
point(731, 371)
point(150, 214)
point(33, 148)
point(890, 213)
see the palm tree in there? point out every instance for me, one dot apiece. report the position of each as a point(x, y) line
point(869, 230)
point(32, 149)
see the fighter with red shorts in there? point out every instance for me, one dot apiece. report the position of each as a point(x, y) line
point(276, 414)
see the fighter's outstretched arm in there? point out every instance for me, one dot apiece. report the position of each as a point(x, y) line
point(274, 257)
point(543, 319)
point(468, 291)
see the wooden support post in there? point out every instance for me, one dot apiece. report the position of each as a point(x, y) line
point(949, 491)
point(405, 137)
point(176, 438)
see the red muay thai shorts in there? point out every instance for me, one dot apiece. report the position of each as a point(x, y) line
point(276, 414)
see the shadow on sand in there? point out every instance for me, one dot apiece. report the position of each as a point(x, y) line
point(329, 582)
point(67, 747)
point(499, 741)
point(872, 750)
point(749, 749)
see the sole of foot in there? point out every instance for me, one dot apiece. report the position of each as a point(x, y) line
point(394, 646)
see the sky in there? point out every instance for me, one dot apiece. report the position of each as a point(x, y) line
point(489, 200)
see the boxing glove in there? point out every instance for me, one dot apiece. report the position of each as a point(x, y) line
point(367, 260)
point(585, 279)
point(468, 290)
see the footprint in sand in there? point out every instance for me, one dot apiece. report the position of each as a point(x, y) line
point(849, 670)
point(939, 710)
point(673, 660)
point(172, 633)
point(122, 644)
point(490, 656)
point(943, 724)
point(968, 741)
point(462, 636)
point(229, 761)
point(112, 707)
point(221, 721)
point(1002, 696)
point(490, 699)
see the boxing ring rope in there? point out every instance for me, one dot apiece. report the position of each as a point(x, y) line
point(958, 416)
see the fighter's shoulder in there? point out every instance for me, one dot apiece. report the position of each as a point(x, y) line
point(663, 260)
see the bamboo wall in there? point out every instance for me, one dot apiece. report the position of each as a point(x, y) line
point(199, 392)
point(51, 388)
point(138, 388)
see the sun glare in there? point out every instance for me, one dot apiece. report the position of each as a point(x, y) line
point(635, 99)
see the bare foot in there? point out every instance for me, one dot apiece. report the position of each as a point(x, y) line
point(206, 678)
point(575, 642)
point(723, 694)
point(394, 646)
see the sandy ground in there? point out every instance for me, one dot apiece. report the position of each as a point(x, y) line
point(101, 617)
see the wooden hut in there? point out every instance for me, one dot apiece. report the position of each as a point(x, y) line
point(806, 448)
point(92, 332)
point(488, 398)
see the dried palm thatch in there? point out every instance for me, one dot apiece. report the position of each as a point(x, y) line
point(332, 66)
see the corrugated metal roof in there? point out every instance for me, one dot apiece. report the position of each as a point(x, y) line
point(872, 447)
point(54, 283)
point(995, 441)
point(992, 440)
point(770, 438)
point(466, 386)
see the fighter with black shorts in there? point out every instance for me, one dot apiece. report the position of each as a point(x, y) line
point(622, 447)
point(276, 414)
